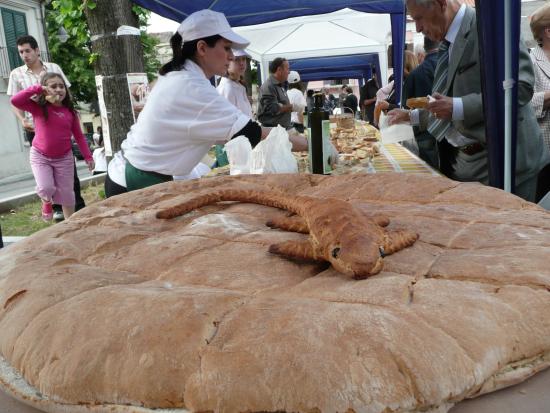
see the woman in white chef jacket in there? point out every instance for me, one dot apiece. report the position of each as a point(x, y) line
point(231, 87)
point(184, 115)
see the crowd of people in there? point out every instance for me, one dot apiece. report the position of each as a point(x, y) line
point(175, 130)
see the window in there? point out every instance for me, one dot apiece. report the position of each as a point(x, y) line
point(88, 127)
point(15, 25)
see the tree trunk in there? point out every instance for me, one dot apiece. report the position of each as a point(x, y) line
point(117, 55)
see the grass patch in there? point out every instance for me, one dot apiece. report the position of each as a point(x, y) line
point(27, 219)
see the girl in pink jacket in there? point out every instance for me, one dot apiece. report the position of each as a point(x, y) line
point(51, 157)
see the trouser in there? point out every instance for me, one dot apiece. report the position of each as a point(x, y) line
point(79, 201)
point(543, 185)
point(1, 241)
point(29, 136)
point(471, 167)
point(54, 177)
point(527, 189)
point(427, 149)
point(112, 188)
point(138, 179)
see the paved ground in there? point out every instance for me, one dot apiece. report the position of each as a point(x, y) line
point(22, 184)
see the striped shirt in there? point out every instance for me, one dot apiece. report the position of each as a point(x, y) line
point(23, 77)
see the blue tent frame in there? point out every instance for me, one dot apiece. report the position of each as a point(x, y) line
point(356, 66)
point(491, 22)
point(491, 26)
point(250, 12)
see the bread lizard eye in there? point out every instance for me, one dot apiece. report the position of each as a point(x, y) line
point(382, 253)
point(336, 252)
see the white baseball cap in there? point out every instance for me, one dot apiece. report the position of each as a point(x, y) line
point(206, 23)
point(293, 77)
point(240, 52)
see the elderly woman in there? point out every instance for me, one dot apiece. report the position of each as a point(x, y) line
point(540, 56)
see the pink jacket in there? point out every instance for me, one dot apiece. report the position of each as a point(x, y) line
point(52, 136)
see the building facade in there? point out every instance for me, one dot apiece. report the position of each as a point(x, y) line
point(17, 18)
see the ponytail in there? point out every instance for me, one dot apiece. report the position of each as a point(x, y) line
point(182, 51)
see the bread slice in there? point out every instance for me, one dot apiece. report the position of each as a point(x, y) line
point(418, 103)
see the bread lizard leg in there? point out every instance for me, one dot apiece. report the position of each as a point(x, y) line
point(302, 250)
point(397, 240)
point(294, 223)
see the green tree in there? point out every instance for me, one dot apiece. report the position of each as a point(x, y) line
point(75, 56)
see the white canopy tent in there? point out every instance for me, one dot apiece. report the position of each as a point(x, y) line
point(345, 32)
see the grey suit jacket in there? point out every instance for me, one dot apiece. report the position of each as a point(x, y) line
point(464, 80)
point(542, 84)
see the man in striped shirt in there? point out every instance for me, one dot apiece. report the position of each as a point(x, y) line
point(30, 74)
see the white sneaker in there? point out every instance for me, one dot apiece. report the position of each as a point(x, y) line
point(58, 216)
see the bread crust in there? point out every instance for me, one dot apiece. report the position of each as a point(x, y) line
point(123, 311)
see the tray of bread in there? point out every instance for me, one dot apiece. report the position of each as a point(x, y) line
point(356, 144)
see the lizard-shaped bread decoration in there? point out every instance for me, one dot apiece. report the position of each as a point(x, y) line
point(339, 233)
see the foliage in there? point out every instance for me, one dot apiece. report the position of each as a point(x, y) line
point(148, 42)
point(75, 57)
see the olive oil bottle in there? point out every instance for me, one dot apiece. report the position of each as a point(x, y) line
point(319, 128)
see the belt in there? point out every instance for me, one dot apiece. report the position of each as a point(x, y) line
point(472, 148)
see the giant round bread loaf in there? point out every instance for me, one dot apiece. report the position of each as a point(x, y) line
point(115, 310)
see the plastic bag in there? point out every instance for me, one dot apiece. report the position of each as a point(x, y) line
point(394, 133)
point(238, 153)
point(274, 154)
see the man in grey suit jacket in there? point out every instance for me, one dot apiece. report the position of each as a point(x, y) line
point(456, 116)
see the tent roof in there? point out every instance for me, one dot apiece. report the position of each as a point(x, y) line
point(252, 12)
point(343, 32)
point(247, 12)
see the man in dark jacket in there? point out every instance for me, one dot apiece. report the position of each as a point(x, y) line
point(350, 102)
point(274, 108)
point(419, 84)
point(367, 98)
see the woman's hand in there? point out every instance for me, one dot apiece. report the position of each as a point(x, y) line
point(91, 164)
point(441, 107)
point(299, 142)
point(383, 105)
point(398, 116)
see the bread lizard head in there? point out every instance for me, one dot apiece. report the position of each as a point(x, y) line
point(357, 255)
